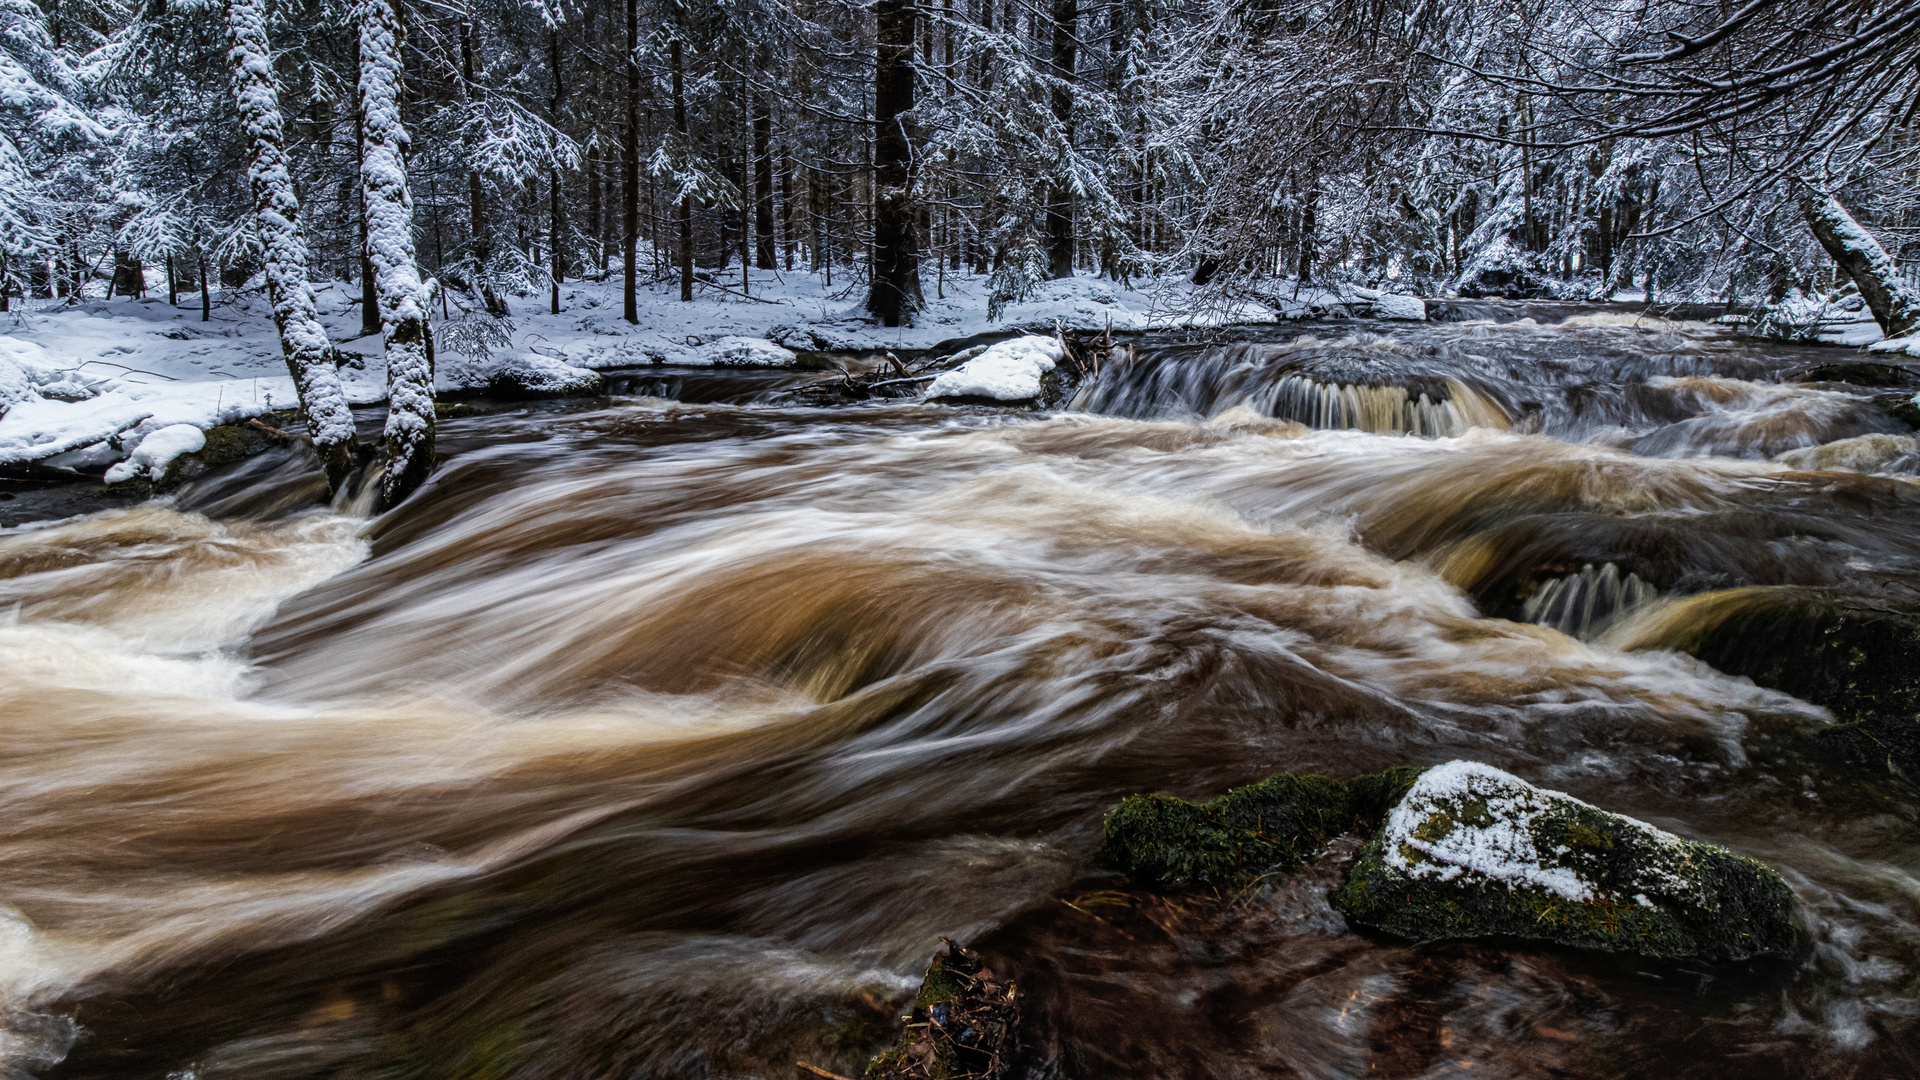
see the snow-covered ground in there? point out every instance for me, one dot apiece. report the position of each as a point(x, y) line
point(82, 385)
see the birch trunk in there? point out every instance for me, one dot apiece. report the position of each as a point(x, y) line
point(276, 210)
point(1854, 250)
point(403, 296)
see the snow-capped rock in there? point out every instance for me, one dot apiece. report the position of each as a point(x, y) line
point(741, 352)
point(1471, 851)
point(1396, 306)
point(1005, 371)
point(156, 451)
point(531, 375)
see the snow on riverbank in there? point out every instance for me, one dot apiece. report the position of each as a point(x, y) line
point(82, 385)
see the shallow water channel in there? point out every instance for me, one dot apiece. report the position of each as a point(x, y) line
point(665, 738)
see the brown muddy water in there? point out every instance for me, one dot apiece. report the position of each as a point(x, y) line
point(666, 739)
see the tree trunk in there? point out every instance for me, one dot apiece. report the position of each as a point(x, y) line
point(1854, 250)
point(369, 294)
point(1066, 24)
point(678, 62)
point(206, 296)
point(893, 293)
point(276, 211)
point(403, 297)
point(786, 207)
point(630, 175)
point(556, 221)
point(593, 212)
point(173, 288)
point(763, 180)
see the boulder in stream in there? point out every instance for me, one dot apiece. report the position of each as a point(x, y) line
point(1472, 851)
point(1250, 832)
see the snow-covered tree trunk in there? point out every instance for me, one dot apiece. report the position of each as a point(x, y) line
point(403, 296)
point(276, 211)
point(1894, 306)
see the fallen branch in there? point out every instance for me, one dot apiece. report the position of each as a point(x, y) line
point(284, 436)
point(741, 295)
point(818, 1071)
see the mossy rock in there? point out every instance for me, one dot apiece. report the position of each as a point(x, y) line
point(1471, 851)
point(1860, 662)
point(1856, 657)
point(962, 1024)
point(1229, 841)
point(225, 444)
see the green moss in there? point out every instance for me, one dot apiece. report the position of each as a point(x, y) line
point(1580, 835)
point(1651, 896)
point(1228, 841)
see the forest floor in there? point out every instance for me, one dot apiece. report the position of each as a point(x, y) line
point(99, 373)
point(90, 380)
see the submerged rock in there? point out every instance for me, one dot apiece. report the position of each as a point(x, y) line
point(963, 1024)
point(1472, 851)
point(1229, 841)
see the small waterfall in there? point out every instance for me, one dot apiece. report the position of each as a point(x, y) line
point(1584, 604)
point(1359, 383)
point(1384, 410)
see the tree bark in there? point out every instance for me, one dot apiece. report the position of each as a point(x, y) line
point(369, 293)
point(1060, 239)
point(678, 61)
point(1854, 250)
point(403, 297)
point(763, 182)
point(276, 211)
point(556, 220)
point(893, 293)
point(630, 175)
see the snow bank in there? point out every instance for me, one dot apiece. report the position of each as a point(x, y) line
point(1006, 371)
point(157, 451)
point(741, 352)
point(41, 429)
point(15, 387)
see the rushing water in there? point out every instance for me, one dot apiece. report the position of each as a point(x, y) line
point(663, 738)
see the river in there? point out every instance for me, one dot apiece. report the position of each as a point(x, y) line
point(663, 738)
